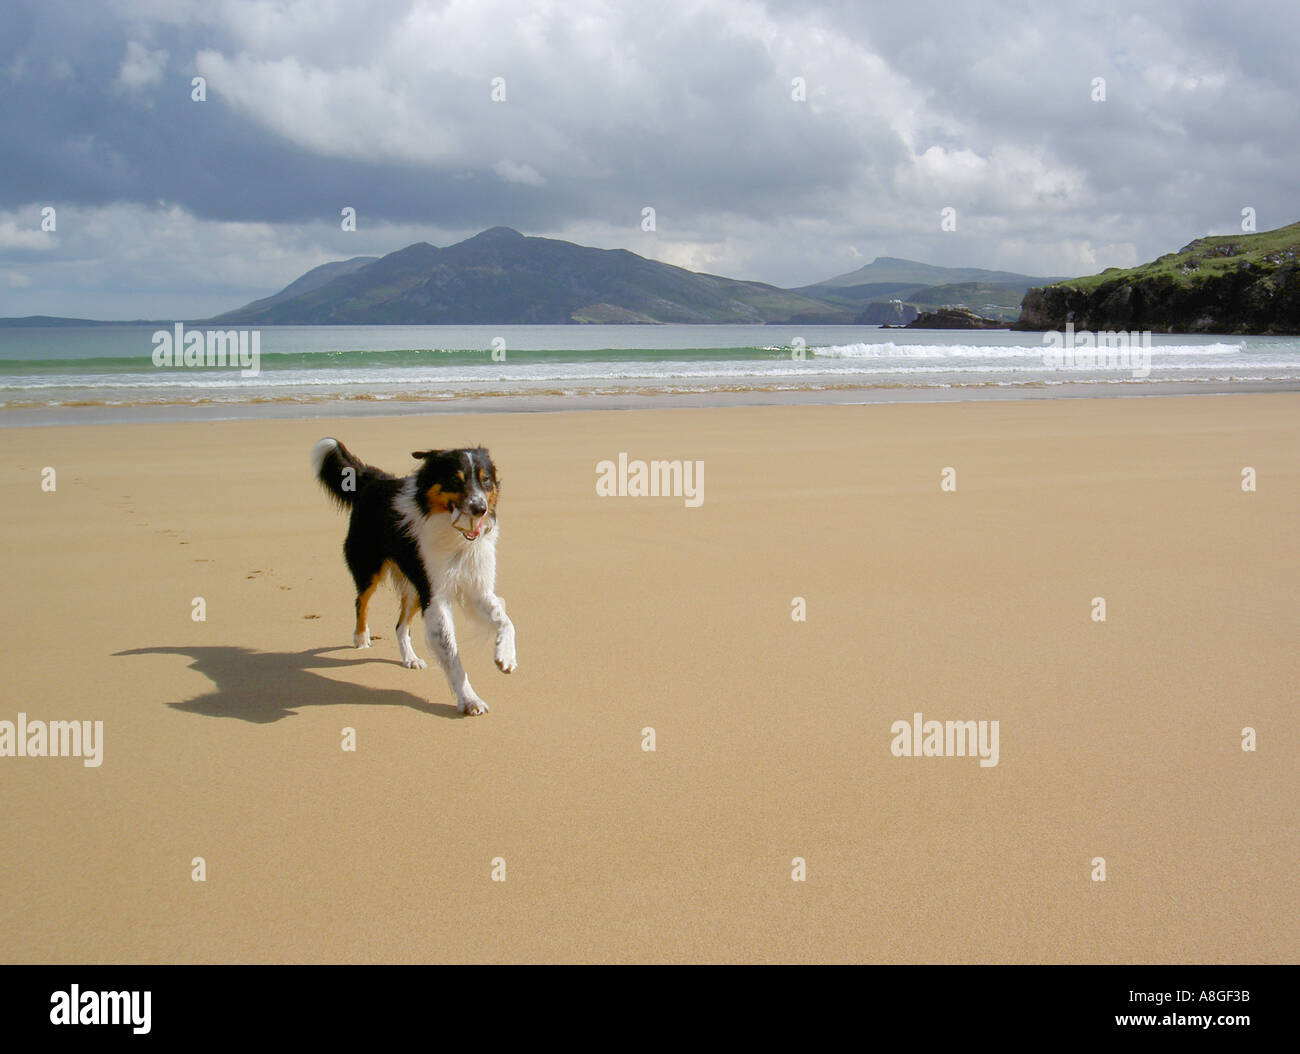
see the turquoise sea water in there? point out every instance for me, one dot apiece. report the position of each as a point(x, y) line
point(114, 365)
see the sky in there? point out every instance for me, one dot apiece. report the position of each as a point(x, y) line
point(783, 142)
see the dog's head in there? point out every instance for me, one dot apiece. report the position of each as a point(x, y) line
point(461, 483)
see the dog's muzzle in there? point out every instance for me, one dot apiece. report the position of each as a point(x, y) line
point(476, 517)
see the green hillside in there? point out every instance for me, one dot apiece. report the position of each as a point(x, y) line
point(1231, 284)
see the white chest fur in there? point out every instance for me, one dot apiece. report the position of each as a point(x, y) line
point(457, 568)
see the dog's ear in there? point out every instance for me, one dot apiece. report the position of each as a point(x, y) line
point(420, 455)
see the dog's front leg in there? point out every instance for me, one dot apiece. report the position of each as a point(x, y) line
point(441, 635)
point(493, 608)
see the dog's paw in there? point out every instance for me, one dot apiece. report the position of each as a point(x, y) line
point(506, 661)
point(414, 663)
point(361, 640)
point(472, 706)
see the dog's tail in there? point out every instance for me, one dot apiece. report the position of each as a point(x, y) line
point(340, 471)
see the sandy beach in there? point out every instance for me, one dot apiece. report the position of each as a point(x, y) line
point(222, 739)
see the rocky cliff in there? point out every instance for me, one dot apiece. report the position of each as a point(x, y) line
point(1234, 284)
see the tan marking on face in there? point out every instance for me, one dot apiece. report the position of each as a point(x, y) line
point(439, 500)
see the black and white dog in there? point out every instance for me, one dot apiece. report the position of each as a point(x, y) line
point(435, 534)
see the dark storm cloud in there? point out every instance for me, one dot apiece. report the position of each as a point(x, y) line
point(75, 135)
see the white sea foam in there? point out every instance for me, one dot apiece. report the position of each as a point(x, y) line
point(889, 350)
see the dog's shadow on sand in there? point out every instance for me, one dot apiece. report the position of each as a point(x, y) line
point(264, 686)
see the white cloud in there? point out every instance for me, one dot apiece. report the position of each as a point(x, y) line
point(355, 113)
point(19, 231)
point(513, 172)
point(141, 68)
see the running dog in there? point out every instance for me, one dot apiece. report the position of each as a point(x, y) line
point(434, 533)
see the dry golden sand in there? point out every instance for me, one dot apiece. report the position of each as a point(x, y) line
point(222, 738)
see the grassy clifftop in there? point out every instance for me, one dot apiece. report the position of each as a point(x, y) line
point(1247, 283)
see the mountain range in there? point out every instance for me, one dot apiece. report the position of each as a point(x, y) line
point(1248, 283)
point(502, 277)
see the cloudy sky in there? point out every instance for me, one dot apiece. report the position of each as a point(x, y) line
point(168, 207)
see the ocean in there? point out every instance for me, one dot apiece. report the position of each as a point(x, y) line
point(113, 367)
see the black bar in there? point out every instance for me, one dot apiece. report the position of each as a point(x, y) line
point(335, 1003)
